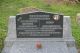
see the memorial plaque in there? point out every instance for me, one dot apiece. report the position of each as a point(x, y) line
point(39, 25)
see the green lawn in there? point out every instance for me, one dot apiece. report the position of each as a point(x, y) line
point(12, 7)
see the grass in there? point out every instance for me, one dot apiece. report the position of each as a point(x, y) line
point(12, 7)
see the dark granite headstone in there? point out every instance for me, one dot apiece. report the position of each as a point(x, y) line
point(39, 25)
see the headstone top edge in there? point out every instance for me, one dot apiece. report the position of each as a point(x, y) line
point(39, 11)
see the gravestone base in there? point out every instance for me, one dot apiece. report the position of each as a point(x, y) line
point(27, 45)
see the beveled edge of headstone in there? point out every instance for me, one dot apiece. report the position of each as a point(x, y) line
point(28, 10)
point(40, 11)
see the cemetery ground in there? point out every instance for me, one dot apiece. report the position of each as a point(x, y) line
point(11, 7)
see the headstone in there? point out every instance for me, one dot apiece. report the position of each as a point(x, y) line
point(39, 32)
point(40, 25)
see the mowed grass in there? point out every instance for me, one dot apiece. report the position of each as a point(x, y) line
point(12, 7)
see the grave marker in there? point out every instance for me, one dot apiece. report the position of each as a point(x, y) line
point(39, 24)
point(39, 32)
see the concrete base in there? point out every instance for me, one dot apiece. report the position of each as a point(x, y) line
point(47, 47)
point(62, 45)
